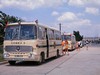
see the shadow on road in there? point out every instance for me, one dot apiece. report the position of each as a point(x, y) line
point(33, 63)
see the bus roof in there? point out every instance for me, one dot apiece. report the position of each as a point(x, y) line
point(67, 34)
point(32, 23)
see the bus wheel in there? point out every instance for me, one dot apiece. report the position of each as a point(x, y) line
point(42, 58)
point(12, 62)
point(58, 53)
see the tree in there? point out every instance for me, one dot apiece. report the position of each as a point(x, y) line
point(77, 35)
point(4, 19)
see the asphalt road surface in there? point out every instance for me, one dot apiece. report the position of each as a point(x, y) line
point(82, 62)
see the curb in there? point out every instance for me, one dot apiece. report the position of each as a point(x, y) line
point(3, 62)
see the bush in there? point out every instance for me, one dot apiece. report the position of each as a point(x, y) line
point(1, 40)
point(1, 53)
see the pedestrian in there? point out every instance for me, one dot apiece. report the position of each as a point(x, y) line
point(65, 47)
point(78, 46)
point(87, 45)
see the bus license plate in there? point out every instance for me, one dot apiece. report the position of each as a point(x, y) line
point(18, 55)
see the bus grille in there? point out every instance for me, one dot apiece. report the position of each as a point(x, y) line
point(18, 48)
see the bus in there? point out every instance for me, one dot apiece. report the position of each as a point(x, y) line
point(71, 40)
point(30, 41)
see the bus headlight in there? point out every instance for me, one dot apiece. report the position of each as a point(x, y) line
point(6, 55)
point(30, 55)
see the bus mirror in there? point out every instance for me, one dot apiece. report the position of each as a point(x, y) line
point(36, 21)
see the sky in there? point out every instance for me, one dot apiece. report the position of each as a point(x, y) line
point(74, 15)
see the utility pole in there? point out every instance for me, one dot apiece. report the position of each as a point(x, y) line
point(60, 26)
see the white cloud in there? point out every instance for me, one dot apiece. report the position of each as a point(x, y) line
point(55, 13)
point(84, 3)
point(30, 4)
point(78, 23)
point(93, 2)
point(82, 25)
point(73, 21)
point(80, 14)
point(82, 22)
point(92, 10)
point(76, 2)
point(33, 4)
point(23, 4)
point(67, 16)
point(53, 3)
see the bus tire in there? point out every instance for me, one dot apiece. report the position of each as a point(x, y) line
point(58, 53)
point(12, 62)
point(42, 58)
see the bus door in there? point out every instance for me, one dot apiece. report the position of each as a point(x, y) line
point(47, 43)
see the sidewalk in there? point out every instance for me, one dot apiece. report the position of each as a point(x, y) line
point(86, 62)
point(3, 62)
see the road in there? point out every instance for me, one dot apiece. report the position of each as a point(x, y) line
point(83, 62)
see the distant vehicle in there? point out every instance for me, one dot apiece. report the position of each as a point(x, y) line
point(71, 40)
point(28, 41)
point(80, 43)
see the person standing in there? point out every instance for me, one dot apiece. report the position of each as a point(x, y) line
point(87, 45)
point(77, 46)
point(65, 47)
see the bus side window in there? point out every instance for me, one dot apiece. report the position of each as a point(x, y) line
point(51, 34)
point(41, 33)
point(57, 36)
point(54, 35)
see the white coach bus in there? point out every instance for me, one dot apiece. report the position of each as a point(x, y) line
point(71, 40)
point(30, 41)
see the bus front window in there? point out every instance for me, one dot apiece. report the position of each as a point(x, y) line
point(66, 37)
point(11, 33)
point(21, 32)
point(28, 32)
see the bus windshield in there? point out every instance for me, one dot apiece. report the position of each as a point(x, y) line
point(21, 32)
point(66, 37)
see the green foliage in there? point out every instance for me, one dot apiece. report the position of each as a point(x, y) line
point(4, 19)
point(77, 35)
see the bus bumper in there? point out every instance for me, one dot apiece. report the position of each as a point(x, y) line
point(35, 58)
